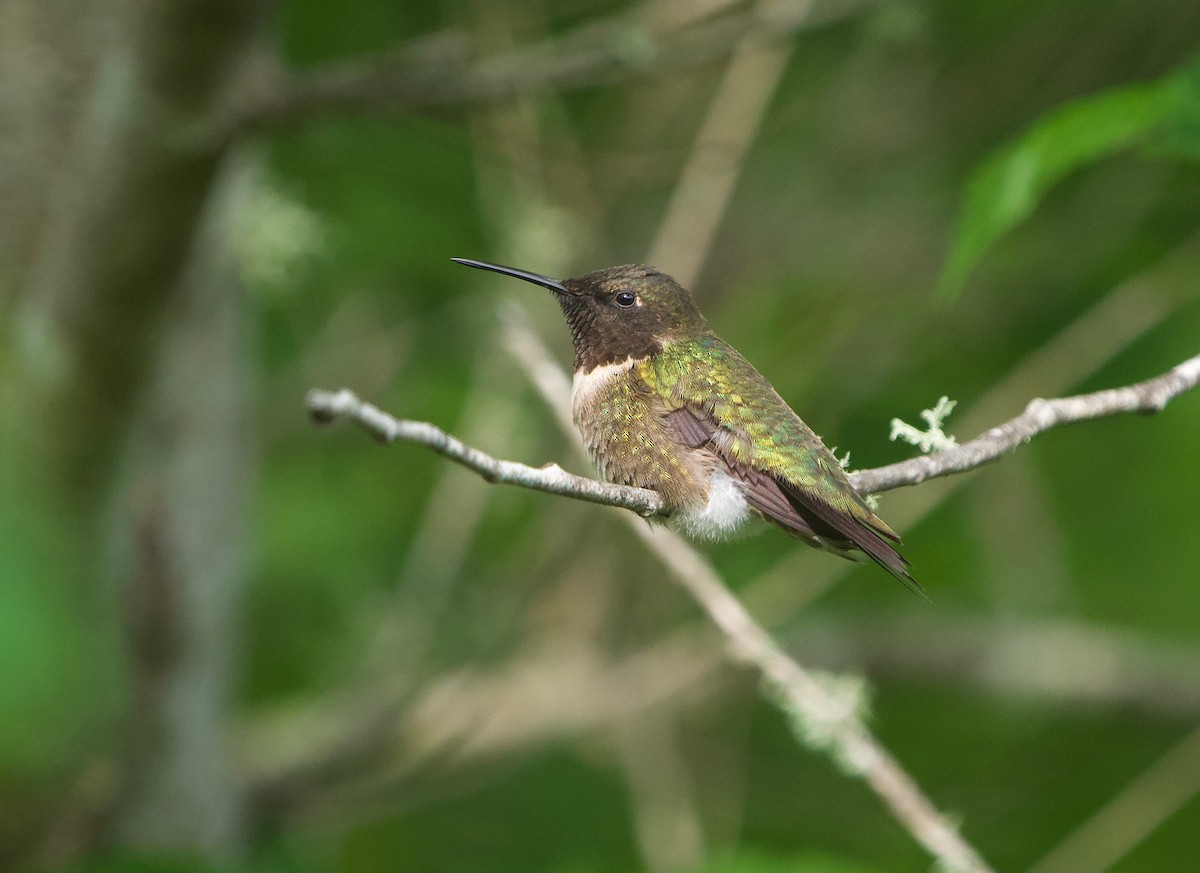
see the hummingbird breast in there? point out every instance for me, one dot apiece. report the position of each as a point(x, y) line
point(627, 433)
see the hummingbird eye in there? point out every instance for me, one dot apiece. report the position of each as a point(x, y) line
point(626, 298)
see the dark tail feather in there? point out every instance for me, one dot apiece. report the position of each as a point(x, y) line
point(829, 522)
point(885, 555)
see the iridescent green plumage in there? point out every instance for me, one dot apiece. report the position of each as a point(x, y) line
point(764, 432)
point(664, 403)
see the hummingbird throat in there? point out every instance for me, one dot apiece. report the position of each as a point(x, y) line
point(602, 337)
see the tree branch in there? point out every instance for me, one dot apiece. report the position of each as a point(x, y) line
point(326, 406)
point(825, 717)
point(1040, 415)
point(824, 712)
point(437, 71)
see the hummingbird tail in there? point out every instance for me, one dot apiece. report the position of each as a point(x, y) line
point(885, 555)
point(838, 526)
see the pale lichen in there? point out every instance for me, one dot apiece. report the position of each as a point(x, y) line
point(933, 438)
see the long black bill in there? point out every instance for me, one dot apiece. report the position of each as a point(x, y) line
point(535, 278)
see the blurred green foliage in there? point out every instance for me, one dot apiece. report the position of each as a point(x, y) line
point(1038, 118)
point(1163, 117)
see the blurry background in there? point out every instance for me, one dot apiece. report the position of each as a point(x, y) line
point(230, 641)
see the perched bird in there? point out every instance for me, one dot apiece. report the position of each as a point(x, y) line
point(664, 403)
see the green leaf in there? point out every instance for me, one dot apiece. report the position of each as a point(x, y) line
point(1180, 136)
point(1163, 116)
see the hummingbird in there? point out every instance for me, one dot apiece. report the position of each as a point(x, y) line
point(663, 403)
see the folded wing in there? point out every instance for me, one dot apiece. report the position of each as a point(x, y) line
point(799, 510)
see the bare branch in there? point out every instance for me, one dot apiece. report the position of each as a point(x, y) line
point(824, 714)
point(1062, 663)
point(827, 718)
point(824, 719)
point(293, 756)
point(326, 406)
point(823, 710)
point(1039, 416)
point(1149, 396)
point(438, 71)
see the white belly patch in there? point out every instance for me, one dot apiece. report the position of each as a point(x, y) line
point(725, 511)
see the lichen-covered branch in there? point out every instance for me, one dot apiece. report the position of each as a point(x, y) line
point(824, 711)
point(326, 406)
point(1039, 416)
point(823, 715)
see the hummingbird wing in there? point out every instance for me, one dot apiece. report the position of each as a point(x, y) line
point(788, 474)
point(697, 429)
point(805, 511)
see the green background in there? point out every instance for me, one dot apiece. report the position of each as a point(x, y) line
point(418, 671)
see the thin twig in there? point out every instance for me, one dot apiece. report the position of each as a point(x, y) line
point(437, 71)
point(730, 126)
point(326, 406)
point(823, 714)
point(1039, 416)
point(1149, 396)
point(666, 818)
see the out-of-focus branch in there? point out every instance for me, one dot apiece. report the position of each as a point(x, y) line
point(1149, 396)
point(1132, 815)
point(483, 714)
point(666, 818)
point(822, 711)
point(827, 719)
point(112, 187)
point(439, 71)
point(187, 555)
point(730, 126)
point(121, 205)
point(1060, 663)
point(824, 716)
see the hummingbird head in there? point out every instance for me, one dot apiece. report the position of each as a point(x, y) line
point(617, 313)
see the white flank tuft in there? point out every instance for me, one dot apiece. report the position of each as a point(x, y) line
point(725, 512)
